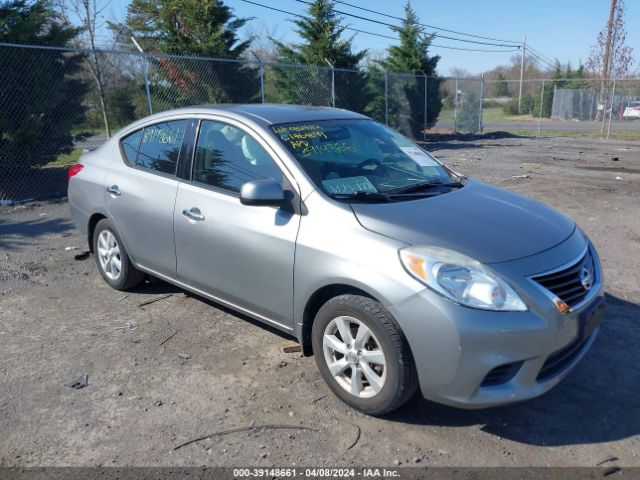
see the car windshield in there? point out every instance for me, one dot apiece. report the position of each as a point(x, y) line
point(361, 158)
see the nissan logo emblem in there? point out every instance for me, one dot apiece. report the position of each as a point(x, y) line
point(586, 278)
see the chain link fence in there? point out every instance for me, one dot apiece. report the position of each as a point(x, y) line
point(602, 108)
point(58, 102)
point(605, 104)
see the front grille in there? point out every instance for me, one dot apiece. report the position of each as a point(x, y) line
point(569, 284)
point(557, 362)
point(501, 374)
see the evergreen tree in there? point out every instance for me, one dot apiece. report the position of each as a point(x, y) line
point(192, 27)
point(502, 87)
point(321, 32)
point(412, 55)
point(40, 95)
point(468, 118)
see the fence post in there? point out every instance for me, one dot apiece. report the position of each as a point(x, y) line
point(333, 83)
point(333, 87)
point(144, 71)
point(455, 107)
point(386, 98)
point(261, 81)
point(541, 105)
point(146, 84)
point(613, 92)
point(481, 102)
point(261, 73)
point(424, 122)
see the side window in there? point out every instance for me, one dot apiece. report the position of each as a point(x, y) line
point(130, 145)
point(226, 157)
point(155, 147)
point(160, 146)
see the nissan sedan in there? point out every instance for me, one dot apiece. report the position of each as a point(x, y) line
point(394, 271)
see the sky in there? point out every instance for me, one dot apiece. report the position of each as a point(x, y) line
point(559, 29)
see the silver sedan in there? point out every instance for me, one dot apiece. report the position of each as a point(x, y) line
point(396, 272)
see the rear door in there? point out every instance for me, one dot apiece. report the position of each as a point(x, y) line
point(141, 193)
point(240, 254)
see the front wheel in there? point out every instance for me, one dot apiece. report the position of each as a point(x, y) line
point(362, 354)
point(112, 259)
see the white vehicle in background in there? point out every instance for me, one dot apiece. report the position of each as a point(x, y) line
point(631, 111)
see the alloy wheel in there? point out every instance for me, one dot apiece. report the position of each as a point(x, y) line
point(354, 356)
point(109, 255)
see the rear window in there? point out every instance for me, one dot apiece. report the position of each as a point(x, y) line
point(130, 145)
point(156, 147)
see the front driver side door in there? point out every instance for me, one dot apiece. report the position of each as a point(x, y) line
point(242, 255)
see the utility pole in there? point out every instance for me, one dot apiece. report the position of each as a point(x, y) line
point(607, 46)
point(606, 61)
point(524, 48)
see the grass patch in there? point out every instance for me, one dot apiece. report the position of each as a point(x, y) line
point(491, 115)
point(619, 135)
point(446, 115)
point(498, 115)
point(66, 158)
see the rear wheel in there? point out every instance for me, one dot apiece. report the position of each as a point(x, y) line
point(363, 355)
point(112, 259)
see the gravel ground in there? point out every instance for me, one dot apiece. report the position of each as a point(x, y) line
point(192, 369)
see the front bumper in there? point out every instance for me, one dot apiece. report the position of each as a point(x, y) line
point(472, 358)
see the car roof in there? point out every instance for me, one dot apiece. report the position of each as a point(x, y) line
point(270, 114)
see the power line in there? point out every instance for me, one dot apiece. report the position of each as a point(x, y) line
point(537, 57)
point(427, 25)
point(385, 36)
point(435, 44)
point(395, 27)
point(544, 57)
point(535, 53)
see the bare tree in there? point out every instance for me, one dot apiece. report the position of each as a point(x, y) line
point(263, 41)
point(374, 58)
point(611, 56)
point(90, 15)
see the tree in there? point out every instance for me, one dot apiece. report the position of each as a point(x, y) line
point(501, 86)
point(321, 31)
point(89, 13)
point(40, 94)
point(468, 119)
point(263, 41)
point(412, 55)
point(611, 57)
point(196, 28)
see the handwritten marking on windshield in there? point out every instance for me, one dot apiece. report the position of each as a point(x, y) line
point(335, 148)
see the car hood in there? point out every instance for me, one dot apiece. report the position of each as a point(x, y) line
point(483, 222)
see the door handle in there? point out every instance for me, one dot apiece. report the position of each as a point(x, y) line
point(114, 190)
point(193, 214)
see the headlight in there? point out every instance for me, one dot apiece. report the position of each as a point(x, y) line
point(460, 278)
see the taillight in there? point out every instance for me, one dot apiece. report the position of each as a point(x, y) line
point(75, 169)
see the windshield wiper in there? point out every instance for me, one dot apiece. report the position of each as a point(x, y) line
point(380, 197)
point(426, 185)
point(366, 196)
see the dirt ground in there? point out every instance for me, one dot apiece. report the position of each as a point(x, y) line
point(192, 369)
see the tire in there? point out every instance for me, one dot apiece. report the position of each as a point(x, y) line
point(107, 259)
point(378, 388)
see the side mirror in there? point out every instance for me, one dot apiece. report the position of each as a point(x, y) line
point(266, 193)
